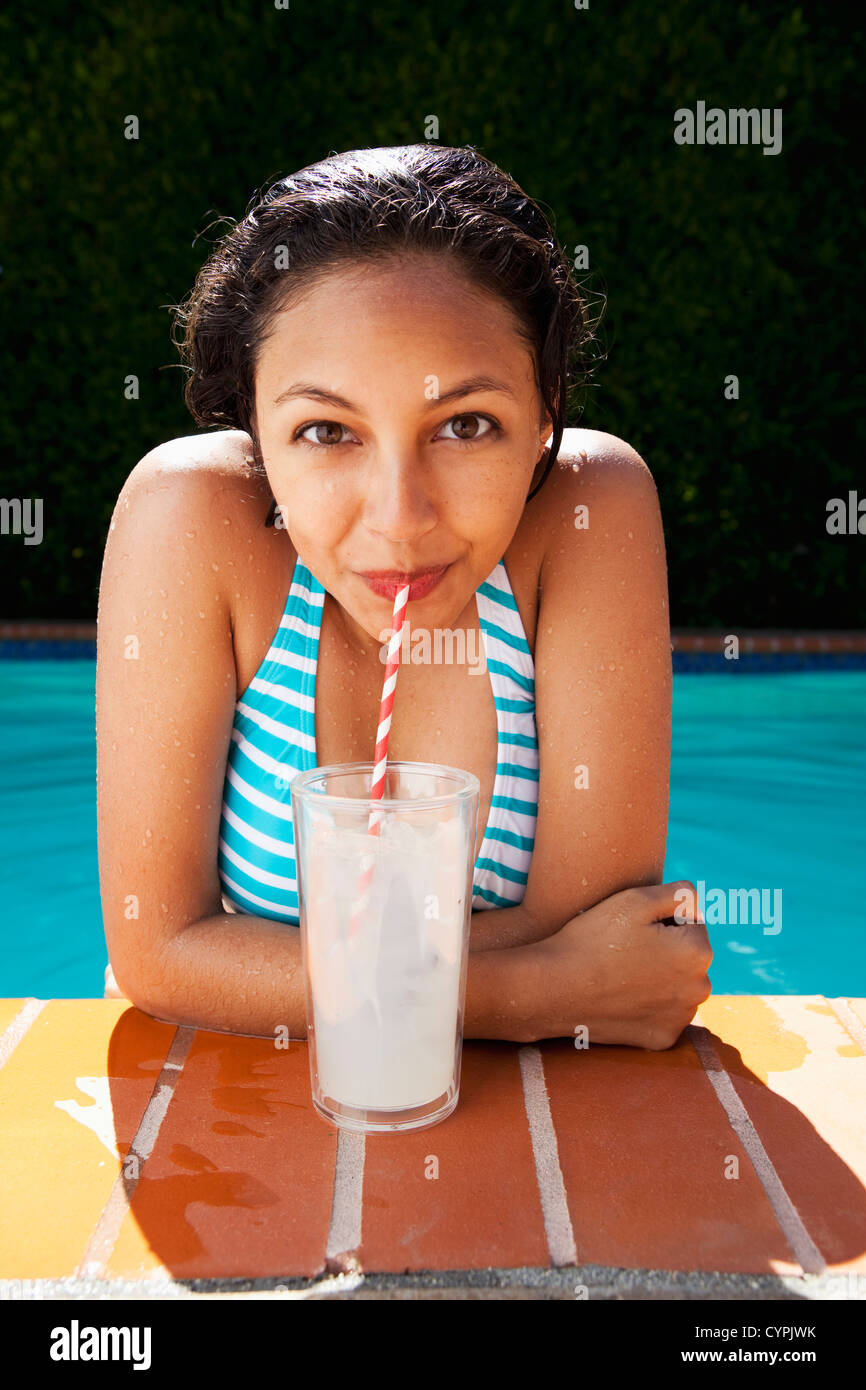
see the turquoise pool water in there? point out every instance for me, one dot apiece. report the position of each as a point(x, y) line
point(767, 793)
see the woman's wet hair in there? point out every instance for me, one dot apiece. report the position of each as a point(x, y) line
point(374, 204)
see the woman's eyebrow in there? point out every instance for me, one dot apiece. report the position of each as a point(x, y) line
point(465, 388)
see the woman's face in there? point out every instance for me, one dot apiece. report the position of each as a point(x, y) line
point(383, 446)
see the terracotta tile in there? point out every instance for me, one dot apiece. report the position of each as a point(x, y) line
point(240, 1180)
point(802, 1079)
point(644, 1147)
point(58, 1165)
point(484, 1208)
point(768, 640)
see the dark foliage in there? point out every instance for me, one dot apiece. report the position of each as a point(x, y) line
point(715, 260)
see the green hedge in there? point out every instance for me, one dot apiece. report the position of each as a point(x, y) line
point(714, 259)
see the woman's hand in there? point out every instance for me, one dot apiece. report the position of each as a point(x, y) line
point(624, 971)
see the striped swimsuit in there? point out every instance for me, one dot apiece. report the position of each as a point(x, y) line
point(273, 738)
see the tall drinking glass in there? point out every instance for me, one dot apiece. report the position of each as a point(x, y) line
point(385, 924)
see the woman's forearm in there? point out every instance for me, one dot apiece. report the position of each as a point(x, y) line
point(237, 974)
point(499, 928)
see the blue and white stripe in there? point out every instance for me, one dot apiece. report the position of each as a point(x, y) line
point(273, 738)
point(502, 865)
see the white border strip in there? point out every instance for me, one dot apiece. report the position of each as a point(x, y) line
point(789, 1219)
point(344, 1235)
point(551, 1187)
point(846, 1015)
point(104, 1237)
point(15, 1031)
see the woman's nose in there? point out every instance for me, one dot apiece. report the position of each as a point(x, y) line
point(398, 504)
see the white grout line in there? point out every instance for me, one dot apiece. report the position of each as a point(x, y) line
point(102, 1241)
point(847, 1016)
point(786, 1213)
point(551, 1187)
point(344, 1236)
point(15, 1031)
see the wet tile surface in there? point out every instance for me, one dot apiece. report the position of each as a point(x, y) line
point(134, 1150)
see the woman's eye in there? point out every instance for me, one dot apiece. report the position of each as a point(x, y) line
point(466, 427)
point(327, 433)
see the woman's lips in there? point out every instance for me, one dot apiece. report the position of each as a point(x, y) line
point(418, 588)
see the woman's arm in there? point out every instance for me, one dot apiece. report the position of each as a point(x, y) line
point(165, 693)
point(603, 682)
point(238, 974)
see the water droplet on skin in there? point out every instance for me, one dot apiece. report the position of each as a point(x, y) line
point(631, 535)
point(190, 535)
point(216, 567)
point(611, 667)
point(583, 881)
point(201, 615)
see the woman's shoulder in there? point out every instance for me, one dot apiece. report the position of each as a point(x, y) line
point(206, 486)
point(201, 475)
point(217, 458)
point(598, 459)
point(597, 476)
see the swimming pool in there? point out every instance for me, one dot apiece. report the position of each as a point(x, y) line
point(767, 786)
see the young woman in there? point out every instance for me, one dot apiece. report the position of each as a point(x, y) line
point(385, 344)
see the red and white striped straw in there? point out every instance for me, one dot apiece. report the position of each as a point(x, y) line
point(380, 757)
